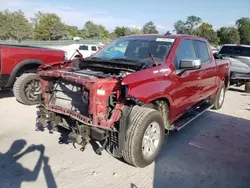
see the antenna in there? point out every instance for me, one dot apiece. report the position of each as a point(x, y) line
point(168, 33)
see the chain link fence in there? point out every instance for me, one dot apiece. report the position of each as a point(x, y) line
point(55, 42)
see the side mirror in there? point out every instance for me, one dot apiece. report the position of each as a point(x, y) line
point(217, 55)
point(187, 64)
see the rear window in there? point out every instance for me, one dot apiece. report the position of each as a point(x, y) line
point(235, 50)
point(83, 47)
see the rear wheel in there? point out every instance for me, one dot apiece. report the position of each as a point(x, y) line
point(144, 138)
point(220, 97)
point(27, 88)
point(247, 87)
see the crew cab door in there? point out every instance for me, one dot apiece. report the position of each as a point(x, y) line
point(186, 91)
point(207, 73)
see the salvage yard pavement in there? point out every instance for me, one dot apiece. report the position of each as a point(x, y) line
point(212, 151)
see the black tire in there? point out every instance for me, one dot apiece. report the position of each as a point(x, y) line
point(217, 103)
point(140, 120)
point(20, 87)
point(247, 87)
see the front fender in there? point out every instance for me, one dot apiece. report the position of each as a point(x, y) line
point(150, 84)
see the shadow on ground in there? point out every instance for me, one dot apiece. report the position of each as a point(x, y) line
point(237, 89)
point(12, 173)
point(6, 94)
point(213, 151)
point(64, 139)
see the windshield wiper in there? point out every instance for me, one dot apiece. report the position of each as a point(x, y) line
point(153, 59)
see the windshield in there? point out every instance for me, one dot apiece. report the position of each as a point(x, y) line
point(136, 49)
point(235, 50)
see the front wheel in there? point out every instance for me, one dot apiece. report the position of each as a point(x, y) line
point(144, 137)
point(220, 97)
point(27, 88)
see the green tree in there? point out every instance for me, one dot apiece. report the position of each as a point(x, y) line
point(103, 31)
point(92, 30)
point(135, 31)
point(228, 35)
point(192, 23)
point(121, 31)
point(243, 25)
point(48, 26)
point(149, 28)
point(189, 26)
point(58, 31)
point(112, 36)
point(4, 26)
point(180, 27)
point(72, 31)
point(83, 33)
point(14, 25)
point(206, 31)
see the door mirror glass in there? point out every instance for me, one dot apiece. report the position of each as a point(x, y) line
point(190, 64)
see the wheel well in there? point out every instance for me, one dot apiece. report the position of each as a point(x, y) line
point(163, 106)
point(226, 81)
point(156, 103)
point(29, 68)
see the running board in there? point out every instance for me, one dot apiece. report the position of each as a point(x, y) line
point(190, 116)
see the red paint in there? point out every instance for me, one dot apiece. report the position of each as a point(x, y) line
point(97, 103)
point(159, 82)
point(182, 92)
point(11, 56)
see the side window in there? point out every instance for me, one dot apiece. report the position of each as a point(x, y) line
point(185, 51)
point(84, 47)
point(202, 51)
point(93, 48)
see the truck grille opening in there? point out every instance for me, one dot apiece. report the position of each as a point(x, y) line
point(70, 96)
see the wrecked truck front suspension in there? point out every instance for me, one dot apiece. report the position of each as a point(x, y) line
point(82, 134)
point(77, 133)
point(90, 108)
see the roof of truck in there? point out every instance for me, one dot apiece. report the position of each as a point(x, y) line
point(240, 45)
point(166, 36)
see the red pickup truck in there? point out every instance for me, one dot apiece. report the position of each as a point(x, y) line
point(133, 91)
point(18, 61)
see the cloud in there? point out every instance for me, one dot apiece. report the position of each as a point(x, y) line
point(161, 27)
point(227, 24)
point(135, 26)
point(74, 14)
point(70, 14)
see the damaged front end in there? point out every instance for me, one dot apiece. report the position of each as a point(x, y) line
point(87, 103)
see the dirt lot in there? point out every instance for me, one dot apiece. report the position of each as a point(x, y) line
point(213, 151)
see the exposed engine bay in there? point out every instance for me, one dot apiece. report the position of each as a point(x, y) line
point(104, 69)
point(86, 99)
point(101, 74)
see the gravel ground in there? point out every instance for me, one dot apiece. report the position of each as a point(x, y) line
point(212, 151)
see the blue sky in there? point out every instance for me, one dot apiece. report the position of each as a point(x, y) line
point(134, 13)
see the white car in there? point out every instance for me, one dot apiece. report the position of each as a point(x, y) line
point(85, 49)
